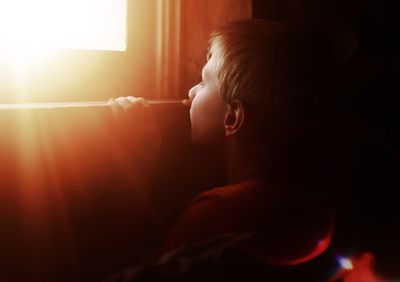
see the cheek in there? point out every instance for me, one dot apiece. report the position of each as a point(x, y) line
point(197, 112)
point(197, 108)
point(206, 116)
point(200, 105)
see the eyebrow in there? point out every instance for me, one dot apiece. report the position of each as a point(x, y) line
point(209, 54)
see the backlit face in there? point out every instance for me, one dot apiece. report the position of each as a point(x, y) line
point(208, 109)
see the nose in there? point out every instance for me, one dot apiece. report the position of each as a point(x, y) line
point(191, 94)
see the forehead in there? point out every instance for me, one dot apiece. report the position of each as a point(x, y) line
point(214, 60)
point(209, 70)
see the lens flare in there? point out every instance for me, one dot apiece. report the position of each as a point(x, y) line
point(344, 262)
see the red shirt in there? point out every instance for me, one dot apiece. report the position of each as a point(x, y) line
point(282, 234)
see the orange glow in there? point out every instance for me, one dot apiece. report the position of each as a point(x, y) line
point(59, 152)
point(69, 174)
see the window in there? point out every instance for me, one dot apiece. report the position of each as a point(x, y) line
point(78, 24)
point(63, 42)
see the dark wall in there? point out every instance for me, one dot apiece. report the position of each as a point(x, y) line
point(369, 76)
point(367, 87)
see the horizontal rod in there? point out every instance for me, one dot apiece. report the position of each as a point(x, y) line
point(83, 104)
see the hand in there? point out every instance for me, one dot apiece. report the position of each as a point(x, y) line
point(137, 130)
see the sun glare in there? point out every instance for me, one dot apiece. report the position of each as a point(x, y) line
point(30, 29)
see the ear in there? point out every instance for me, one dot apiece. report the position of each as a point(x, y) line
point(234, 118)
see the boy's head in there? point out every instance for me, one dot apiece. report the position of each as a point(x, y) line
point(258, 76)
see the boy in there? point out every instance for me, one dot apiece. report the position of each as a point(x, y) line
point(257, 92)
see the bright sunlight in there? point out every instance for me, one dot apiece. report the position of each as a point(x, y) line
point(33, 29)
point(78, 24)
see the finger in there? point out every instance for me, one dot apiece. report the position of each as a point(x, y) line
point(132, 99)
point(115, 107)
point(124, 102)
point(187, 102)
point(142, 101)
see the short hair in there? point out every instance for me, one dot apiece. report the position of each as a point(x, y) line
point(269, 66)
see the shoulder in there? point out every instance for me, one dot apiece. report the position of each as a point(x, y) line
point(244, 191)
point(211, 212)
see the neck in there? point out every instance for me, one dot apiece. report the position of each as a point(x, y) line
point(243, 161)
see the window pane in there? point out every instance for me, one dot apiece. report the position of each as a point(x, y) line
point(76, 24)
point(89, 71)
